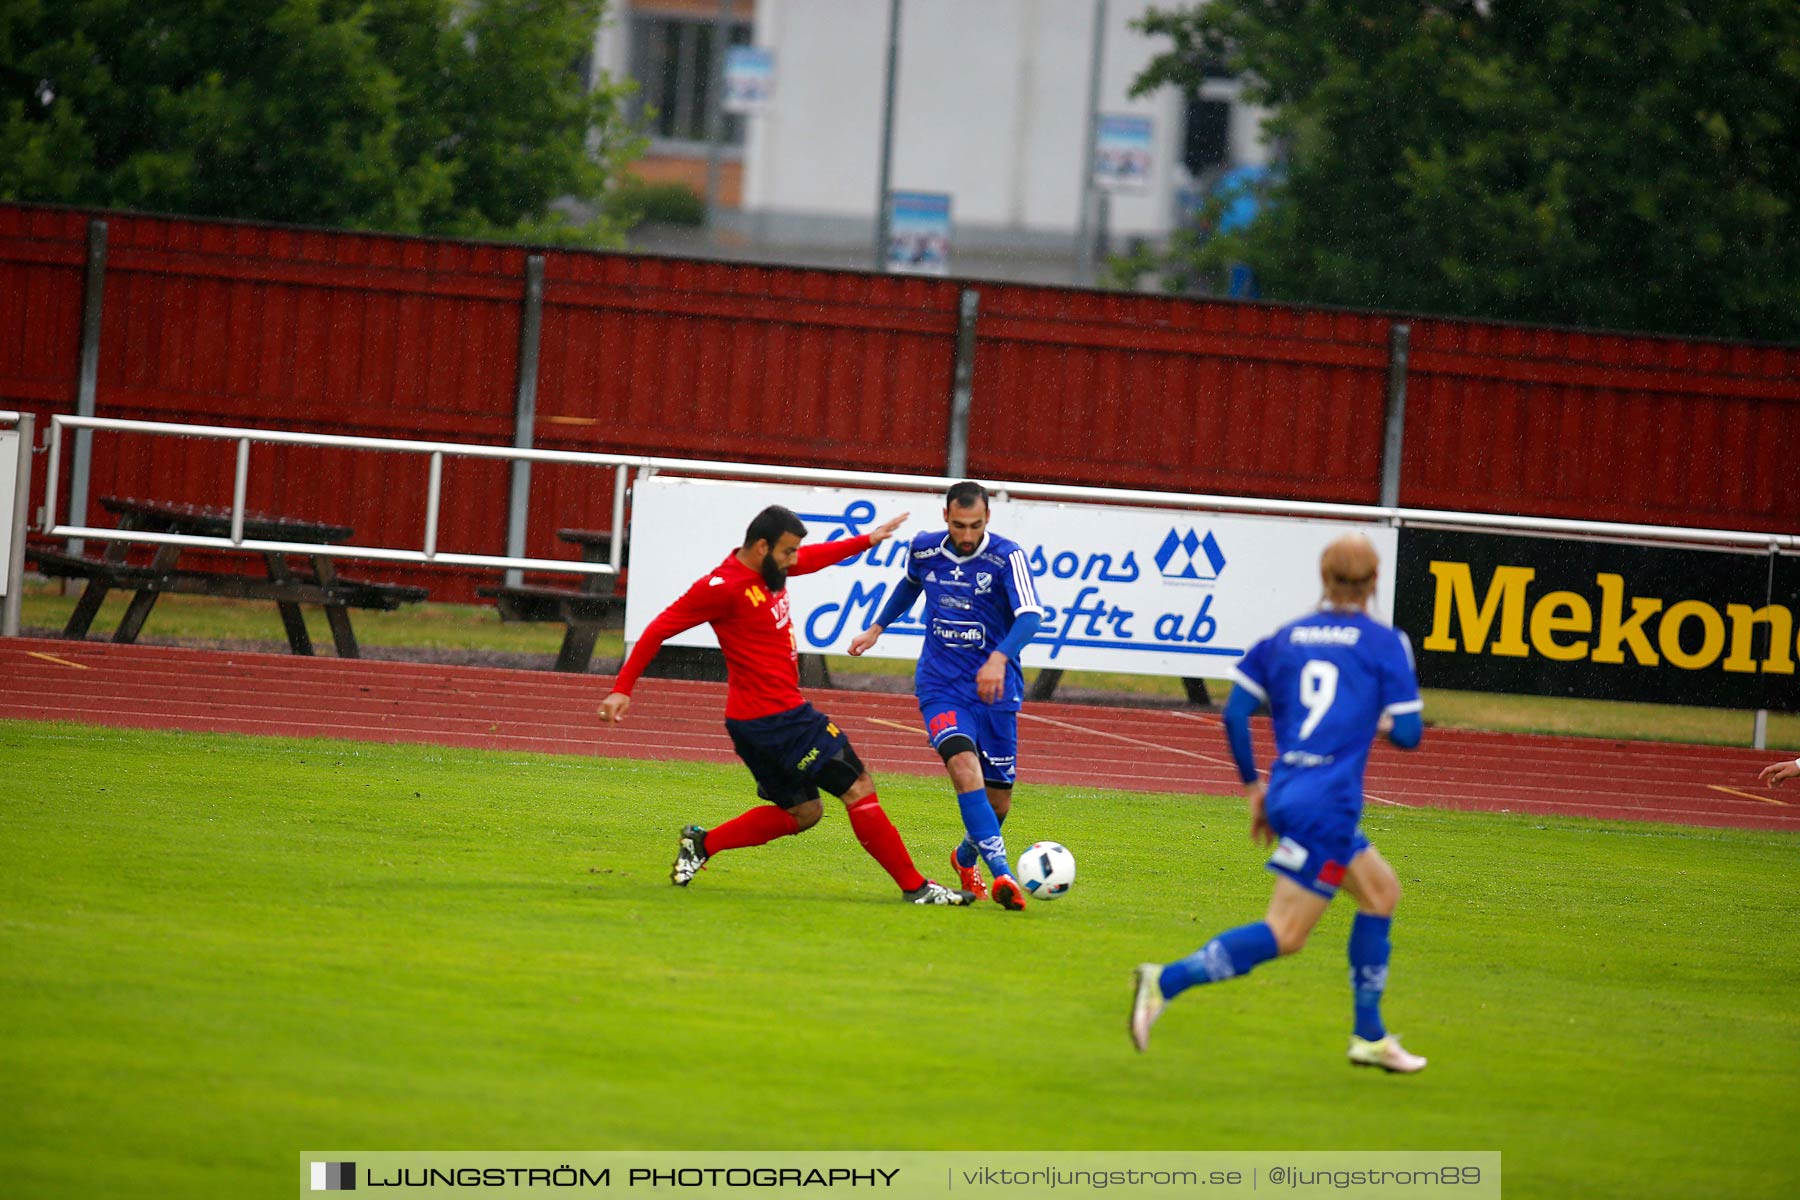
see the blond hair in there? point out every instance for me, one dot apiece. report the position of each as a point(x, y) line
point(1347, 569)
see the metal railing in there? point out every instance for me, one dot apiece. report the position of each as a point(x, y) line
point(623, 465)
point(1741, 541)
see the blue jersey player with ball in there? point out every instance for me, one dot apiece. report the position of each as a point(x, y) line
point(981, 611)
point(1332, 681)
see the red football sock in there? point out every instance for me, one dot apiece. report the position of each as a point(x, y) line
point(764, 823)
point(879, 837)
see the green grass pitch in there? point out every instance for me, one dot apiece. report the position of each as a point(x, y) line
point(217, 951)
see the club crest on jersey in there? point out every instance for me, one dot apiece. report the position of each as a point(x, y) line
point(984, 583)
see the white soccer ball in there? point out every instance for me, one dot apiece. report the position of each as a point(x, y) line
point(1046, 870)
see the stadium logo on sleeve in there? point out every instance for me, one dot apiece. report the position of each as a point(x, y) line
point(334, 1177)
point(1186, 555)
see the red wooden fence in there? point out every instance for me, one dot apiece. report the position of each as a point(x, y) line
point(233, 323)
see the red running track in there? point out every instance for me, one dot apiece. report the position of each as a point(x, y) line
point(155, 687)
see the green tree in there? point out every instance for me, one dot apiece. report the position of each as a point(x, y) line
point(1629, 164)
point(464, 117)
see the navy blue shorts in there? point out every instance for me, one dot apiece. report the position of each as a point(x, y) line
point(787, 751)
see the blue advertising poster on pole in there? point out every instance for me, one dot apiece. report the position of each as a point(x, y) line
point(749, 78)
point(1122, 153)
point(919, 233)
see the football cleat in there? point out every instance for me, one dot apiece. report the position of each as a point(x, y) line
point(690, 856)
point(1387, 1054)
point(969, 878)
point(932, 892)
point(1146, 1003)
point(1008, 894)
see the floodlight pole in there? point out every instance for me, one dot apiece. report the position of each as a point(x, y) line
point(882, 216)
point(1085, 255)
point(715, 117)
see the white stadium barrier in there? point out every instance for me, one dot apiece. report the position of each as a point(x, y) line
point(15, 497)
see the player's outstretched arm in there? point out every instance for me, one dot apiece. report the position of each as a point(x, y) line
point(865, 641)
point(1775, 773)
point(884, 532)
point(899, 603)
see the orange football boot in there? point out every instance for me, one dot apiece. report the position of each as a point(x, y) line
point(969, 878)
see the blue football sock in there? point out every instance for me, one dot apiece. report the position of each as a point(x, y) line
point(967, 852)
point(1369, 950)
point(1230, 954)
point(984, 830)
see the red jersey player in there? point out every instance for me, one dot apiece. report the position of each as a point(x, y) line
point(791, 748)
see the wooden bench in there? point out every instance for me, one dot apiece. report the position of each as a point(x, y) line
point(597, 603)
point(585, 614)
point(318, 583)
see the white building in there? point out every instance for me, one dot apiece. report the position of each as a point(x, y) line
point(991, 107)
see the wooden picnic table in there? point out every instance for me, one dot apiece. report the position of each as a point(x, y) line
point(585, 610)
point(315, 582)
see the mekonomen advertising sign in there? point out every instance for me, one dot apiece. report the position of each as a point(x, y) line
point(1560, 617)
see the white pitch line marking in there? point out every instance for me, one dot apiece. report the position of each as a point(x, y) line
point(1205, 758)
point(1719, 787)
point(1188, 716)
point(60, 661)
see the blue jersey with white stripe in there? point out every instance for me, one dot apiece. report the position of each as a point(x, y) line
point(1327, 679)
point(970, 603)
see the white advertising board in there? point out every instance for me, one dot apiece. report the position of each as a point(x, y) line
point(9, 481)
point(1136, 590)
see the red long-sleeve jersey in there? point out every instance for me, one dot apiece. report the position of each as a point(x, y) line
point(761, 662)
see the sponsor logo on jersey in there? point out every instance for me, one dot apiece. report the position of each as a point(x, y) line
point(941, 722)
point(959, 633)
point(956, 602)
point(1289, 854)
point(1324, 635)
